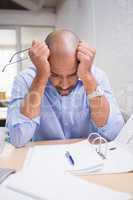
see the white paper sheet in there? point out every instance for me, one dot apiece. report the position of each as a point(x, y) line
point(60, 186)
point(7, 194)
point(119, 160)
point(85, 157)
point(126, 134)
point(87, 161)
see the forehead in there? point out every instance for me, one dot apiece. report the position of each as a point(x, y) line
point(63, 63)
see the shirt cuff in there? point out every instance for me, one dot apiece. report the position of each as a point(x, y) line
point(112, 127)
point(19, 118)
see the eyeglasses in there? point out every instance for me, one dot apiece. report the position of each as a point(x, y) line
point(19, 56)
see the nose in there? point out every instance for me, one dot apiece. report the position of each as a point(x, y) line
point(65, 84)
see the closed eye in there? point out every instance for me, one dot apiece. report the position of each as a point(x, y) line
point(71, 75)
point(54, 75)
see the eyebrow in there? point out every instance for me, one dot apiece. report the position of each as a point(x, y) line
point(68, 74)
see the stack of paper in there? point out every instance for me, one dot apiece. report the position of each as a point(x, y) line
point(47, 185)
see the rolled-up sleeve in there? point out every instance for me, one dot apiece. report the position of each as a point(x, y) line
point(21, 128)
point(115, 120)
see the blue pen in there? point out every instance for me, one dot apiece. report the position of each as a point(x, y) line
point(69, 157)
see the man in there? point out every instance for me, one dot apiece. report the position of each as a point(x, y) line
point(63, 95)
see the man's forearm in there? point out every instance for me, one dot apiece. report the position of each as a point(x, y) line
point(99, 106)
point(30, 107)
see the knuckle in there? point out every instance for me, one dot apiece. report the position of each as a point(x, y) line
point(87, 59)
point(31, 52)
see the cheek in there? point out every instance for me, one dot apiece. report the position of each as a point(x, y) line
point(55, 81)
point(58, 82)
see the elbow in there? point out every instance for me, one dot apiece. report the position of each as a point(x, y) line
point(17, 138)
point(16, 142)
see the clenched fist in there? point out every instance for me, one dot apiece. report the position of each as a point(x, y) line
point(85, 55)
point(39, 54)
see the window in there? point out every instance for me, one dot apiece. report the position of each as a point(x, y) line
point(7, 48)
point(28, 34)
point(12, 40)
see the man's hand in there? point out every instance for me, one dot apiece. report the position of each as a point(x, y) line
point(85, 55)
point(99, 106)
point(39, 54)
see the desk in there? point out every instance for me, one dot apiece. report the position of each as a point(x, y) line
point(118, 182)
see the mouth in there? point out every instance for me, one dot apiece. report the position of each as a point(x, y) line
point(64, 92)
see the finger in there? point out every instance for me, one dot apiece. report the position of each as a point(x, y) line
point(35, 48)
point(32, 50)
point(92, 50)
point(42, 48)
point(79, 55)
point(85, 44)
point(82, 56)
point(43, 52)
point(86, 51)
point(33, 42)
point(39, 51)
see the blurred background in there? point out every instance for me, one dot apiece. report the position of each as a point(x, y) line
point(106, 25)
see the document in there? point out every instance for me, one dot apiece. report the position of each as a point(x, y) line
point(7, 194)
point(59, 186)
point(54, 156)
point(126, 135)
point(118, 160)
point(86, 159)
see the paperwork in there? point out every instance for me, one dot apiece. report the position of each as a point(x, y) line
point(59, 186)
point(7, 194)
point(53, 156)
point(125, 136)
point(86, 159)
point(119, 160)
point(45, 173)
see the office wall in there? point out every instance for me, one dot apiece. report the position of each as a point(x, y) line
point(41, 18)
point(108, 26)
point(114, 30)
point(76, 15)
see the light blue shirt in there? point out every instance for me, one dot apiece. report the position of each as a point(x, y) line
point(61, 117)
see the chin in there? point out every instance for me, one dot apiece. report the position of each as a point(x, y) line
point(64, 93)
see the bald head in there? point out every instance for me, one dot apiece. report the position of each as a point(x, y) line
point(63, 60)
point(62, 42)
